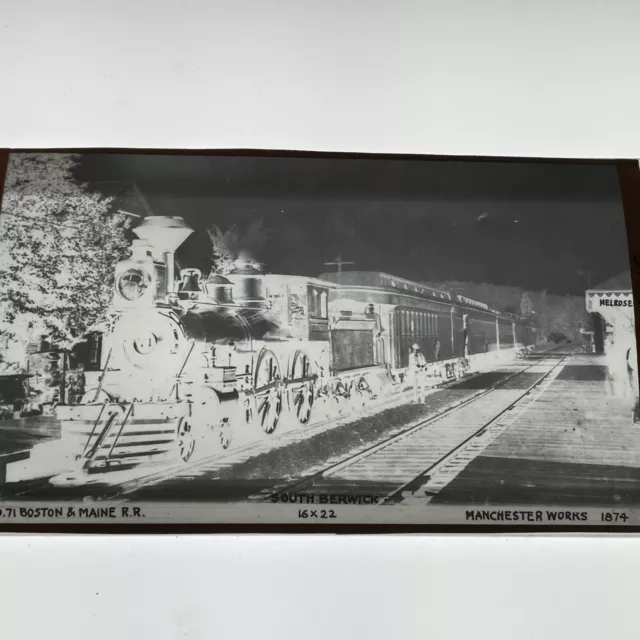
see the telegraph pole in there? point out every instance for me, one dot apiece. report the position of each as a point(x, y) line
point(338, 262)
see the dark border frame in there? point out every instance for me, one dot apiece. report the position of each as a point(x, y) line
point(629, 181)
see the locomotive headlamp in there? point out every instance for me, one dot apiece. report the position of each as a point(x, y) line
point(133, 283)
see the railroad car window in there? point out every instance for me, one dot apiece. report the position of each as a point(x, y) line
point(324, 307)
point(94, 350)
point(313, 303)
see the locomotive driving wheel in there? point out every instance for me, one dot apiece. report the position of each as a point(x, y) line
point(268, 391)
point(301, 387)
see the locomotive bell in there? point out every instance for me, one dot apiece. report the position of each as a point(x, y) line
point(219, 289)
point(165, 234)
point(190, 284)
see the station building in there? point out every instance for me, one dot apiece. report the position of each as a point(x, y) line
point(610, 306)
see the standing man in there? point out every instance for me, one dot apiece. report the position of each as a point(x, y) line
point(417, 365)
point(632, 377)
point(465, 347)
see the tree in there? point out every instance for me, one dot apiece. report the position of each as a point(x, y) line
point(550, 313)
point(233, 244)
point(526, 304)
point(59, 244)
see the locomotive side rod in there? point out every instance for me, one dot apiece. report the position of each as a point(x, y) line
point(312, 378)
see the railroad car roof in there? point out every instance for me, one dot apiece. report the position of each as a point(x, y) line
point(384, 280)
point(284, 278)
point(402, 285)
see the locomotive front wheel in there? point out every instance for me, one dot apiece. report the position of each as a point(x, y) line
point(185, 439)
point(268, 391)
point(301, 394)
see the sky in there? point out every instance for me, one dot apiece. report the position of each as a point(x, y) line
point(552, 226)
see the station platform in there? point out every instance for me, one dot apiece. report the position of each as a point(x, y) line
point(576, 445)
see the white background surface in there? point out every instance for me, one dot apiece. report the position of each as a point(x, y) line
point(546, 78)
point(296, 588)
point(498, 77)
point(322, 587)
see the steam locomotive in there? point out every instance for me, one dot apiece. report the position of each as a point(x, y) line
point(188, 359)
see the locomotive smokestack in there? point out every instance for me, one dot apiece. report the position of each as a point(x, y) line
point(165, 234)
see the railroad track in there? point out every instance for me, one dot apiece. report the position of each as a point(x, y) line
point(245, 452)
point(120, 484)
point(416, 463)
